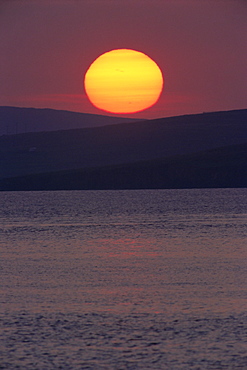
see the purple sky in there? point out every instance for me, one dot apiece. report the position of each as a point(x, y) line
point(46, 47)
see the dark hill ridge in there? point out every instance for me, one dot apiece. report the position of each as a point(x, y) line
point(14, 120)
point(31, 153)
point(221, 167)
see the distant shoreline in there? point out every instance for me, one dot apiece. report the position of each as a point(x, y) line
point(195, 151)
point(219, 168)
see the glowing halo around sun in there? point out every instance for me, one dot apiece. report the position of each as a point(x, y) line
point(123, 81)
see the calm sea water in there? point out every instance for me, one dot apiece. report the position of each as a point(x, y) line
point(144, 279)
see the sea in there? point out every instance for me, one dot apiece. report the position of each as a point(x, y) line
point(123, 279)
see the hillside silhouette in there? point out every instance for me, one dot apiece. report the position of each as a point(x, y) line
point(14, 120)
point(217, 168)
point(203, 150)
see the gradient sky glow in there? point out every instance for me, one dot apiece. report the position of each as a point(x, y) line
point(46, 47)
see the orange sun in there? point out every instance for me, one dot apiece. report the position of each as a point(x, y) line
point(123, 81)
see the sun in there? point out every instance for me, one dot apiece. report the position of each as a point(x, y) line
point(123, 81)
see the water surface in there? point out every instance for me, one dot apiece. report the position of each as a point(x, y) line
point(124, 279)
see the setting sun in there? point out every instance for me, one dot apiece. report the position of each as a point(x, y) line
point(123, 81)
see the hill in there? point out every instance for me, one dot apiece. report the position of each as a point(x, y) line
point(15, 120)
point(216, 168)
point(129, 145)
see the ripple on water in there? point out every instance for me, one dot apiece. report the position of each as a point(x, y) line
point(112, 341)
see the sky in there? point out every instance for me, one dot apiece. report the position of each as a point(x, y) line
point(46, 47)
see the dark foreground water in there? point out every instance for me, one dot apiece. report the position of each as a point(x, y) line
point(149, 279)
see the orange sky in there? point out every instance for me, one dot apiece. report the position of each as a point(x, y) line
point(46, 47)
